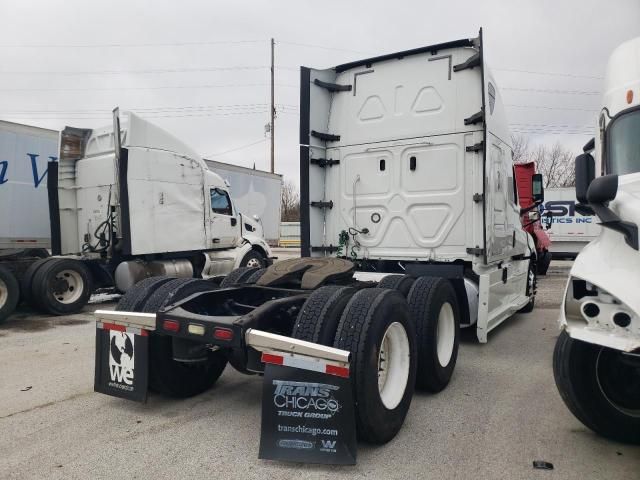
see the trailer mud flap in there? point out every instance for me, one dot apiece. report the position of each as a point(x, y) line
point(307, 416)
point(122, 361)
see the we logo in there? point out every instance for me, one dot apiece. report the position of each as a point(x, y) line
point(328, 444)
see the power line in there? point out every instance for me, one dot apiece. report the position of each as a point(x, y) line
point(143, 88)
point(309, 45)
point(555, 74)
point(577, 109)
point(136, 72)
point(241, 147)
point(542, 90)
point(134, 45)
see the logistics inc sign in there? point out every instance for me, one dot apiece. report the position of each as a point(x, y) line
point(564, 211)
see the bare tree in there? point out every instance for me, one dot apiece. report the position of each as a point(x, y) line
point(555, 162)
point(290, 202)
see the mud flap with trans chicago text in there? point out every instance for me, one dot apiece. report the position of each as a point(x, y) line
point(121, 361)
point(307, 416)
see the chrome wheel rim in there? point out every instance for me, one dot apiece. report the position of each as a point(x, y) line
point(254, 263)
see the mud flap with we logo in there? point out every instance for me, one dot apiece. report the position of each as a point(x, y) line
point(122, 355)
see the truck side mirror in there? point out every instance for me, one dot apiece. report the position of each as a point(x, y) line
point(602, 190)
point(585, 173)
point(537, 188)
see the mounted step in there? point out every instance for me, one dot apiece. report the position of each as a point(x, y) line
point(328, 204)
point(471, 62)
point(475, 148)
point(324, 162)
point(327, 137)
point(333, 87)
point(475, 251)
point(475, 118)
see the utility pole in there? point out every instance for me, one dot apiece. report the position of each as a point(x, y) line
point(273, 112)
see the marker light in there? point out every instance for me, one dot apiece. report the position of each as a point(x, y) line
point(195, 329)
point(171, 325)
point(225, 334)
point(629, 96)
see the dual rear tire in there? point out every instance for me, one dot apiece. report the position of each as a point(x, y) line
point(166, 375)
point(9, 293)
point(396, 343)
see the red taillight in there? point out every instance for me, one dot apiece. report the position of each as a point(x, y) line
point(171, 326)
point(271, 358)
point(338, 371)
point(225, 334)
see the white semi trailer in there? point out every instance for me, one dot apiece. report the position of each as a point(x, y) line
point(410, 230)
point(25, 155)
point(128, 206)
point(597, 356)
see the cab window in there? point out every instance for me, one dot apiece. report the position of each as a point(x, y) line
point(220, 202)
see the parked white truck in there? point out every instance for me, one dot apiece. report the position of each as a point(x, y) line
point(410, 230)
point(597, 356)
point(25, 154)
point(569, 230)
point(128, 206)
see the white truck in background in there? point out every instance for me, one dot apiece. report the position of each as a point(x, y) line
point(25, 154)
point(128, 206)
point(596, 361)
point(569, 230)
point(410, 229)
point(256, 193)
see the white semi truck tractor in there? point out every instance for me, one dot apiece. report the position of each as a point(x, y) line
point(410, 230)
point(597, 356)
point(130, 201)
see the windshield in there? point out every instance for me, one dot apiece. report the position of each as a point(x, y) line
point(623, 144)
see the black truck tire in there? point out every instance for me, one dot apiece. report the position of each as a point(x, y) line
point(61, 286)
point(167, 376)
point(320, 315)
point(255, 276)
point(600, 386)
point(175, 290)
point(137, 296)
point(253, 259)
point(532, 281)
point(401, 283)
point(376, 328)
point(434, 310)
point(239, 275)
point(544, 260)
point(9, 293)
point(27, 280)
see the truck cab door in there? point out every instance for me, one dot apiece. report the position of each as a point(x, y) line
point(224, 228)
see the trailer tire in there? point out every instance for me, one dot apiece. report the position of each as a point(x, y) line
point(9, 293)
point(434, 310)
point(167, 376)
point(401, 283)
point(602, 391)
point(376, 328)
point(239, 275)
point(137, 296)
point(27, 281)
point(320, 315)
point(61, 286)
point(253, 259)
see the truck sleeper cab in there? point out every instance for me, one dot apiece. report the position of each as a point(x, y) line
point(597, 356)
point(410, 228)
point(134, 204)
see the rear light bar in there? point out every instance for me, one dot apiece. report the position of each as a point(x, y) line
point(306, 363)
point(171, 326)
point(225, 334)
